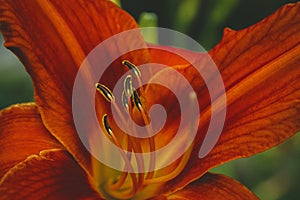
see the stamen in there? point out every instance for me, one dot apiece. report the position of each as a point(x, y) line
point(134, 187)
point(185, 157)
point(108, 95)
point(132, 67)
point(151, 142)
point(135, 144)
point(126, 97)
point(128, 85)
point(137, 100)
point(106, 125)
point(136, 72)
point(146, 120)
point(125, 101)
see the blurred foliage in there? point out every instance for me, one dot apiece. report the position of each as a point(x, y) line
point(15, 83)
point(148, 19)
point(272, 174)
point(204, 20)
point(118, 2)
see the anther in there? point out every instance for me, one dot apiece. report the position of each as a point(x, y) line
point(106, 125)
point(132, 67)
point(136, 100)
point(128, 85)
point(125, 101)
point(108, 95)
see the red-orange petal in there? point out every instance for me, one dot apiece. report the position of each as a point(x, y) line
point(261, 73)
point(52, 174)
point(214, 187)
point(22, 134)
point(52, 39)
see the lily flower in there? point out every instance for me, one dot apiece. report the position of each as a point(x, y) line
point(42, 156)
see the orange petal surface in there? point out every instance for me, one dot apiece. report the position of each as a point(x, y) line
point(53, 174)
point(214, 187)
point(22, 134)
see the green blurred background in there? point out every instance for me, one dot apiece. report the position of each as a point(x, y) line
point(273, 174)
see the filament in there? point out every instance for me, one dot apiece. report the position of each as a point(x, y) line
point(173, 173)
point(127, 162)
